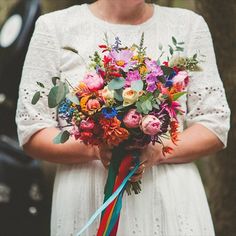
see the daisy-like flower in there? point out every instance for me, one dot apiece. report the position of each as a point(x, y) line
point(122, 59)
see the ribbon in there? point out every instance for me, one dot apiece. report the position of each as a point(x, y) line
point(109, 200)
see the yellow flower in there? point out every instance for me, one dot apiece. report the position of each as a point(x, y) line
point(130, 96)
point(142, 70)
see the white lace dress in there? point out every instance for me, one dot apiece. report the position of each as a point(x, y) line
point(173, 201)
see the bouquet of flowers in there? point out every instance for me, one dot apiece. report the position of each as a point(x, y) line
point(125, 99)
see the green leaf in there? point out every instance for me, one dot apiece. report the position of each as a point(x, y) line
point(116, 83)
point(139, 107)
point(137, 85)
point(174, 40)
point(73, 98)
point(54, 80)
point(66, 87)
point(181, 43)
point(176, 96)
point(40, 84)
point(180, 49)
point(56, 95)
point(171, 50)
point(195, 56)
point(62, 137)
point(148, 105)
point(155, 105)
point(118, 95)
point(35, 98)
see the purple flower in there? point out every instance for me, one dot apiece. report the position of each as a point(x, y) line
point(132, 76)
point(151, 80)
point(153, 67)
point(122, 59)
point(151, 87)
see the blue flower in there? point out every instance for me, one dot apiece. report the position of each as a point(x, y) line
point(109, 113)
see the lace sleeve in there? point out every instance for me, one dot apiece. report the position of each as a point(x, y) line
point(206, 103)
point(41, 64)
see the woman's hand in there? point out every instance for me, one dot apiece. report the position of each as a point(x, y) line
point(150, 155)
point(105, 155)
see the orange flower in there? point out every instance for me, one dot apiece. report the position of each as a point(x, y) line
point(89, 105)
point(174, 131)
point(166, 150)
point(113, 133)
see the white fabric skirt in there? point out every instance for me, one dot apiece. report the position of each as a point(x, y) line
point(172, 202)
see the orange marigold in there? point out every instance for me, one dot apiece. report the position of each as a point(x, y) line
point(113, 133)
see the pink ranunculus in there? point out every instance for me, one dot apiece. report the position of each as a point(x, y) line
point(181, 78)
point(150, 125)
point(93, 104)
point(132, 119)
point(93, 81)
point(87, 125)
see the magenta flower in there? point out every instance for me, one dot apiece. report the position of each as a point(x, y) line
point(132, 76)
point(122, 59)
point(86, 125)
point(172, 109)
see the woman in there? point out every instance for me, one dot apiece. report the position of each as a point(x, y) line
point(172, 201)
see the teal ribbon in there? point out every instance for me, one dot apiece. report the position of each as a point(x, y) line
point(116, 213)
point(109, 200)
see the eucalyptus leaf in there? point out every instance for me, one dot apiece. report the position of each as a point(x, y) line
point(40, 84)
point(73, 98)
point(118, 95)
point(137, 85)
point(62, 137)
point(56, 95)
point(35, 98)
point(116, 83)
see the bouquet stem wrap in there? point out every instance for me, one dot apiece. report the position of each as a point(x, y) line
point(118, 176)
point(118, 170)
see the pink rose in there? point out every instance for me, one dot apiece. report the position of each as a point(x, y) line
point(132, 119)
point(150, 125)
point(93, 105)
point(181, 78)
point(87, 125)
point(93, 81)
